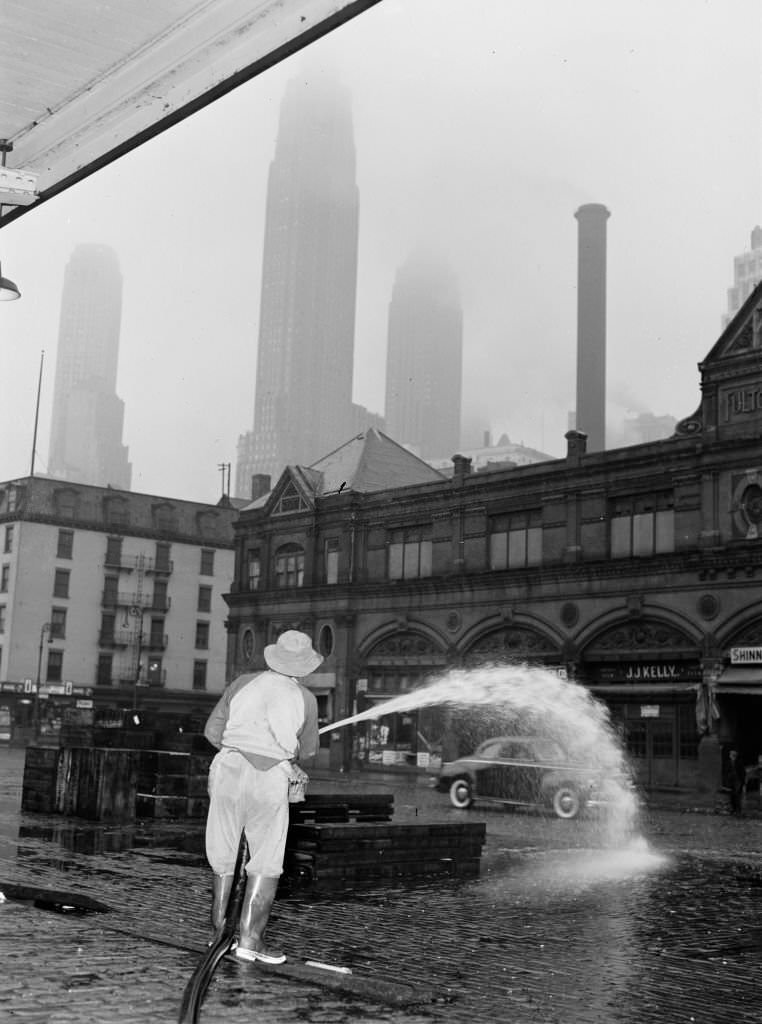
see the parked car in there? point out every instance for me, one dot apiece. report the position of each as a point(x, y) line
point(525, 771)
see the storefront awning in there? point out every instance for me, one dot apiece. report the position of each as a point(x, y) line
point(320, 681)
point(742, 680)
point(638, 690)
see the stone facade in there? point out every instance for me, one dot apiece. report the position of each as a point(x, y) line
point(634, 571)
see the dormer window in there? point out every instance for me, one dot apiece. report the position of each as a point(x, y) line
point(290, 501)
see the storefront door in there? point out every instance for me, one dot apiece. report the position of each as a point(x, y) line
point(661, 743)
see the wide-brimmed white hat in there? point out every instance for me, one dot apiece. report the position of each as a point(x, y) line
point(292, 654)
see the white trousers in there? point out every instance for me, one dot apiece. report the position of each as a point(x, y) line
point(243, 798)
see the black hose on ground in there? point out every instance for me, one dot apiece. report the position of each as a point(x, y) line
point(195, 990)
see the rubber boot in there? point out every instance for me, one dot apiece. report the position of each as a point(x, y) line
point(255, 912)
point(222, 886)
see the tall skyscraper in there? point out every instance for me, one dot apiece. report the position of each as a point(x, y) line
point(424, 360)
point(88, 417)
point(747, 273)
point(303, 400)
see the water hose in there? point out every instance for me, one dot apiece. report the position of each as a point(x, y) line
point(195, 990)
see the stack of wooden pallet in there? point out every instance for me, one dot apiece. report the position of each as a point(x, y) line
point(96, 784)
point(351, 841)
point(172, 784)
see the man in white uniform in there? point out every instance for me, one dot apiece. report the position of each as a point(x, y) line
point(262, 724)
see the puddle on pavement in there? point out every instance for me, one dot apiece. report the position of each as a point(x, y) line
point(51, 899)
point(95, 839)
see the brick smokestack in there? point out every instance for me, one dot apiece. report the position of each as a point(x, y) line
point(591, 324)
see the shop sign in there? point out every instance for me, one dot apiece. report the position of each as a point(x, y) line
point(52, 689)
point(362, 685)
point(649, 710)
point(650, 672)
point(746, 655)
point(85, 705)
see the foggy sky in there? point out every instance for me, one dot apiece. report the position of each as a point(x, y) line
point(480, 127)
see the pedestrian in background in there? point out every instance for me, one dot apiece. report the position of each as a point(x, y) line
point(262, 724)
point(735, 781)
point(754, 779)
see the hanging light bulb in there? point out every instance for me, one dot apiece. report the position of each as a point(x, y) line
point(8, 290)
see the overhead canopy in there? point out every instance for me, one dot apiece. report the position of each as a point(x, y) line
point(742, 680)
point(650, 690)
point(84, 83)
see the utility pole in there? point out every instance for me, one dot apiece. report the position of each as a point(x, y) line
point(36, 712)
point(137, 612)
point(222, 467)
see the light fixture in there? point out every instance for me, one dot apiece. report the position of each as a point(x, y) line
point(8, 290)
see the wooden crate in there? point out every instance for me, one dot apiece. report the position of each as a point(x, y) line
point(38, 790)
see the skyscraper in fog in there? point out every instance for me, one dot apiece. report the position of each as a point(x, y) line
point(424, 360)
point(88, 417)
point(747, 273)
point(303, 401)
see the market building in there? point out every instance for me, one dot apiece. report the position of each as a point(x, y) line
point(633, 571)
point(110, 603)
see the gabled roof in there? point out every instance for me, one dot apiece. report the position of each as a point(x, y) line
point(731, 378)
point(372, 462)
point(369, 462)
point(743, 334)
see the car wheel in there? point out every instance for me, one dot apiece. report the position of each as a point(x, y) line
point(566, 802)
point(461, 795)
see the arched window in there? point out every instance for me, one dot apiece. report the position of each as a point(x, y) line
point(289, 566)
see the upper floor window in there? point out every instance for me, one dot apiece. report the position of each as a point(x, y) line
point(207, 562)
point(331, 554)
point(642, 525)
point(116, 512)
point(164, 518)
point(108, 623)
point(114, 551)
point(204, 599)
point(161, 558)
point(160, 597)
point(410, 553)
point(104, 670)
point(58, 624)
point(5, 577)
point(199, 675)
point(8, 546)
point(65, 544)
point(515, 540)
point(289, 566)
point(2, 618)
point(156, 637)
point(202, 635)
point(61, 583)
point(253, 569)
point(66, 503)
point(55, 666)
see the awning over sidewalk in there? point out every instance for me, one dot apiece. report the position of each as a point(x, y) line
point(654, 691)
point(743, 680)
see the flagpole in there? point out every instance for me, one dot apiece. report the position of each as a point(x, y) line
point(37, 412)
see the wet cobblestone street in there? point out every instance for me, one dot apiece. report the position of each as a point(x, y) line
point(556, 928)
